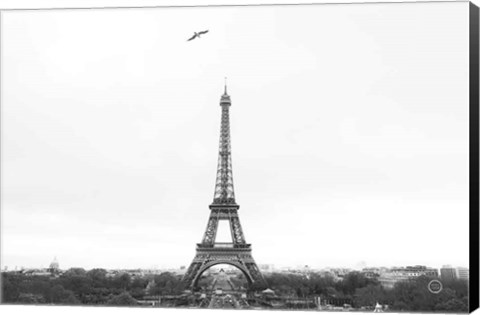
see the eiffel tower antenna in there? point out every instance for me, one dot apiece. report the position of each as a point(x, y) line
point(209, 252)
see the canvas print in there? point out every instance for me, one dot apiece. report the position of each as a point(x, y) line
point(273, 157)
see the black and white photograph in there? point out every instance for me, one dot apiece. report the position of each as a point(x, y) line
point(291, 156)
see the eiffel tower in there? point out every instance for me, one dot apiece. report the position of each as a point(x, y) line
point(209, 252)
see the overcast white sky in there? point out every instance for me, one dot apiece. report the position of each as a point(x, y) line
point(349, 133)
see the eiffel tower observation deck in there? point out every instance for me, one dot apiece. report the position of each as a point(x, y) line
point(209, 252)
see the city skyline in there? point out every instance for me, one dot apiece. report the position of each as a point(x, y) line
point(110, 134)
point(272, 266)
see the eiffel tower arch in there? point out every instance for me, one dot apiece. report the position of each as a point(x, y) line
point(209, 252)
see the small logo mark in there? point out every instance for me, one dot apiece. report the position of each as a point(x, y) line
point(435, 286)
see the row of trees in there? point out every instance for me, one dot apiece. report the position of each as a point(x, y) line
point(411, 295)
point(77, 286)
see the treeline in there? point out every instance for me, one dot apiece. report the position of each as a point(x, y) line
point(94, 287)
point(411, 295)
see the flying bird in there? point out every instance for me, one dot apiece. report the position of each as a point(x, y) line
point(197, 35)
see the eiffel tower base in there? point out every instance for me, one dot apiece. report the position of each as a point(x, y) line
point(238, 256)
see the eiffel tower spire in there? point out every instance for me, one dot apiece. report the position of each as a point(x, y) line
point(224, 193)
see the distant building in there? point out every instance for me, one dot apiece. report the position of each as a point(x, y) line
point(336, 273)
point(54, 267)
point(35, 272)
point(371, 275)
point(417, 271)
point(389, 277)
point(388, 281)
point(414, 272)
point(463, 273)
point(448, 273)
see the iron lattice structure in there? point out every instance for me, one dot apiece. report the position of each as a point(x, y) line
point(209, 252)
